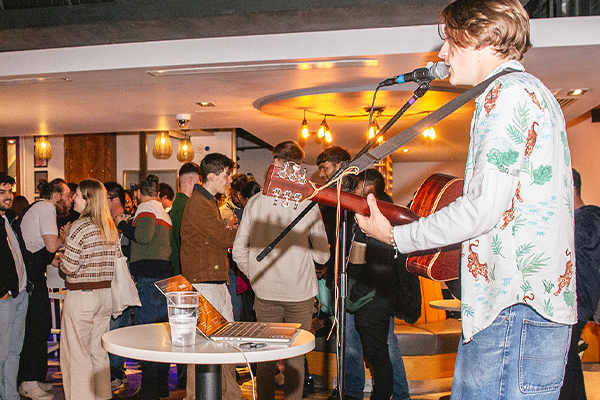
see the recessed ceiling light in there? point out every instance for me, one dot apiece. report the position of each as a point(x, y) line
point(405, 150)
point(29, 81)
point(206, 103)
point(576, 92)
point(266, 67)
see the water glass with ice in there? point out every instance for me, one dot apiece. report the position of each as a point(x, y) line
point(183, 315)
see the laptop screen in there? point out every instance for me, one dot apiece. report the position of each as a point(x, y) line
point(209, 319)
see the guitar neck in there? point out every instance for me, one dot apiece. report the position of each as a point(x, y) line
point(397, 215)
point(291, 185)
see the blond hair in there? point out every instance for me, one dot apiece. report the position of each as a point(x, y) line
point(503, 24)
point(96, 208)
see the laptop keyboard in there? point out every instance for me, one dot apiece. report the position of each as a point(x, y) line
point(249, 330)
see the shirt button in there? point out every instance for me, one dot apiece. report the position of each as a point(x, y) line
point(216, 267)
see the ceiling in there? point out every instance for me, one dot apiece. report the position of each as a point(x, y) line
point(257, 80)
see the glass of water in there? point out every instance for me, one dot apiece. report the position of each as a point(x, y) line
point(183, 316)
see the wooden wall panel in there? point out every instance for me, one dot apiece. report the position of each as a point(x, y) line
point(91, 156)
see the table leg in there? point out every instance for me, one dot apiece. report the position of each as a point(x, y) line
point(208, 382)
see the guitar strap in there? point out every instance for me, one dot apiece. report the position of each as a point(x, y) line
point(397, 141)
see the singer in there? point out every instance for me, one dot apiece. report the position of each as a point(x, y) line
point(515, 218)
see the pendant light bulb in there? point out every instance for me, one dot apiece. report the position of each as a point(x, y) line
point(304, 130)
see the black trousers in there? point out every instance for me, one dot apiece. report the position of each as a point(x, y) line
point(372, 322)
point(33, 365)
point(573, 385)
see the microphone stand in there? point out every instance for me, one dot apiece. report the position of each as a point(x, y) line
point(342, 270)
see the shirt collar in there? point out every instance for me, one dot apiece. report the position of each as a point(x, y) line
point(200, 189)
point(514, 64)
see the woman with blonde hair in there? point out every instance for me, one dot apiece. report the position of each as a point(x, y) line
point(92, 246)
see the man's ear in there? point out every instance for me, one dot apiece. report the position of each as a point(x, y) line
point(55, 197)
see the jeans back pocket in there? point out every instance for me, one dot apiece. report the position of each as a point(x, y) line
point(543, 356)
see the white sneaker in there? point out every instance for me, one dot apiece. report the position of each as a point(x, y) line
point(35, 393)
point(46, 387)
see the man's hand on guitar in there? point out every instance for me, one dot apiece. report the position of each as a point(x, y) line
point(377, 225)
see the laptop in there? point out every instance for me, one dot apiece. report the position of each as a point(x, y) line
point(212, 325)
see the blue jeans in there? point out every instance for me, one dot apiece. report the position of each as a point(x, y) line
point(153, 309)
point(12, 331)
point(117, 363)
point(521, 355)
point(236, 300)
point(401, 391)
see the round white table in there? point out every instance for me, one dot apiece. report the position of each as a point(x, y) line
point(152, 342)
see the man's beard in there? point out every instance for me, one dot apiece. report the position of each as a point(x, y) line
point(62, 210)
point(4, 208)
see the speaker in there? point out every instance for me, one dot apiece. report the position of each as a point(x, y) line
point(595, 114)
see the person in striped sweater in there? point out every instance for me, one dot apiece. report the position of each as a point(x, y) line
point(149, 262)
point(88, 262)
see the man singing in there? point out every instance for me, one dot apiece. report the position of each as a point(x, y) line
point(515, 218)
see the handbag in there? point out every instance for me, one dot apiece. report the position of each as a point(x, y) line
point(122, 289)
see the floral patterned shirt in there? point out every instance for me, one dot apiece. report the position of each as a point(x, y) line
point(515, 218)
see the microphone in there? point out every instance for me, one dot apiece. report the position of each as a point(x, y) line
point(432, 71)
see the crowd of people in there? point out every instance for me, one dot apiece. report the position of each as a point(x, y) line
point(519, 219)
point(215, 226)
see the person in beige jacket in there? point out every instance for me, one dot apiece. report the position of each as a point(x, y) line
point(284, 282)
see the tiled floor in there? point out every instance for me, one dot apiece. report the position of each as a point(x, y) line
point(591, 374)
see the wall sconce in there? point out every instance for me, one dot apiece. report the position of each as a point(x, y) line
point(162, 146)
point(185, 151)
point(43, 150)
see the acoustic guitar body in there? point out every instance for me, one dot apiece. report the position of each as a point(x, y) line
point(289, 186)
point(442, 264)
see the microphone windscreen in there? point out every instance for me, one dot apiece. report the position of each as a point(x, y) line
point(440, 70)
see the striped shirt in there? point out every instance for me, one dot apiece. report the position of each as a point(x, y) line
point(88, 261)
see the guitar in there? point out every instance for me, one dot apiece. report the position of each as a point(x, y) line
point(290, 185)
